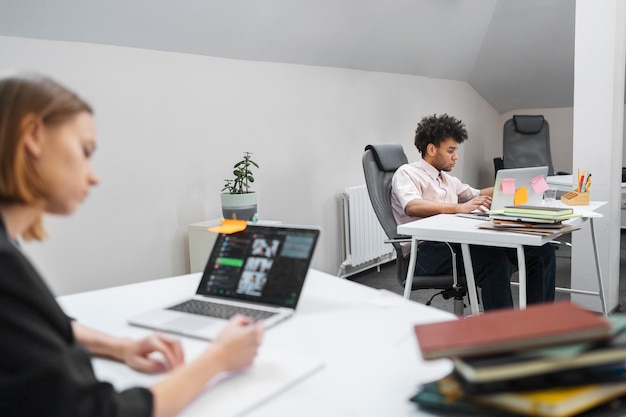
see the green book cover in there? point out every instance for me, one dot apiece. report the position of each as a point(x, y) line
point(545, 210)
point(530, 217)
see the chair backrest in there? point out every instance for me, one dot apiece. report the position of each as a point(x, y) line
point(380, 162)
point(526, 143)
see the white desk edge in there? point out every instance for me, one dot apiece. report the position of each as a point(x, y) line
point(364, 338)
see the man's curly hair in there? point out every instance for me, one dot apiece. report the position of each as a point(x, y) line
point(434, 129)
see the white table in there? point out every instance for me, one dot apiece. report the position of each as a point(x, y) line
point(362, 336)
point(565, 183)
point(462, 230)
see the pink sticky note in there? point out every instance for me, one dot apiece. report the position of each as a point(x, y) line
point(539, 184)
point(508, 186)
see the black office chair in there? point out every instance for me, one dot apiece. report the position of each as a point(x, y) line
point(380, 162)
point(526, 143)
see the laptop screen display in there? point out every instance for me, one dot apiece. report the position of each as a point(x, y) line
point(267, 264)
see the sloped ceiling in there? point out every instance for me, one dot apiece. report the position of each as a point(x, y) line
point(515, 53)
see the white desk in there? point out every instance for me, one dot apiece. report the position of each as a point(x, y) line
point(364, 338)
point(456, 229)
point(565, 183)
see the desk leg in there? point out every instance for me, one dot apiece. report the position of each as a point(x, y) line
point(521, 264)
point(411, 270)
point(469, 278)
point(598, 272)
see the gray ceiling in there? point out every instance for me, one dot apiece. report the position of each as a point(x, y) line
point(514, 53)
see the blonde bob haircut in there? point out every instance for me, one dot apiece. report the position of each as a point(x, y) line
point(25, 95)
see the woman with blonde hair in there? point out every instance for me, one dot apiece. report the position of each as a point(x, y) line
point(47, 139)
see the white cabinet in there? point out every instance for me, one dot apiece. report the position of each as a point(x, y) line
point(201, 243)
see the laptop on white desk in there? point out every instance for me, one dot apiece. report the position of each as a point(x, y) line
point(522, 177)
point(258, 272)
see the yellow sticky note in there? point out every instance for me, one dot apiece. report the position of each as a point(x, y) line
point(521, 196)
point(230, 226)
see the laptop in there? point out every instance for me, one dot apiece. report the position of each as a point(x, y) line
point(523, 178)
point(258, 272)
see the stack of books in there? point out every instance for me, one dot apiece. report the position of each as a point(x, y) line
point(541, 220)
point(552, 360)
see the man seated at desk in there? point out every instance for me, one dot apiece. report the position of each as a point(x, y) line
point(424, 188)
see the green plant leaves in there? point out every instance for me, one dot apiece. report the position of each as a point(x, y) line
point(243, 176)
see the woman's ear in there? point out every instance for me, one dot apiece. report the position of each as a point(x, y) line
point(32, 129)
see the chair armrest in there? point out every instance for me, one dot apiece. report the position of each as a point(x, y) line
point(399, 240)
point(498, 164)
point(455, 275)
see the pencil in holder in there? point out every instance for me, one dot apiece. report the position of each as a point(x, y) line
point(574, 198)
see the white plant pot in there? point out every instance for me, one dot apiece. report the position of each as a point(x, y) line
point(239, 206)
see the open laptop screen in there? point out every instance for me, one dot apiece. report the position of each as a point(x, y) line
point(521, 177)
point(265, 264)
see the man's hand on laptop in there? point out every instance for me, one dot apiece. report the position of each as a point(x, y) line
point(478, 204)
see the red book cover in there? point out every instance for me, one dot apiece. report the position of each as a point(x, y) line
point(511, 330)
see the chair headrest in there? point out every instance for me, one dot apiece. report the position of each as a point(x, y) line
point(389, 156)
point(528, 124)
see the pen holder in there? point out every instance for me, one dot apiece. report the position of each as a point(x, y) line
point(574, 198)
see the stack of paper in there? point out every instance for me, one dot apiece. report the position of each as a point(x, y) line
point(541, 220)
point(548, 360)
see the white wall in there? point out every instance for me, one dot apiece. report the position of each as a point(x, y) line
point(171, 126)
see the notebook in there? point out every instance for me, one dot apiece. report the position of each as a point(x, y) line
point(258, 272)
point(522, 177)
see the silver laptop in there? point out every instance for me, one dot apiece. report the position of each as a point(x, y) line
point(523, 177)
point(258, 272)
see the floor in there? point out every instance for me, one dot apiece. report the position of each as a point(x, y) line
point(385, 278)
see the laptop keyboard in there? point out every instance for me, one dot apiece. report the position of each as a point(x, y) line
point(222, 311)
point(475, 216)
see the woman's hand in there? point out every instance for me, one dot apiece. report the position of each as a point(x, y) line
point(234, 349)
point(153, 354)
point(237, 345)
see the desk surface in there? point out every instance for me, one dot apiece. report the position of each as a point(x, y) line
point(451, 228)
point(362, 336)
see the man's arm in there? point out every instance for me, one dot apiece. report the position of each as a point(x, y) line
point(487, 191)
point(424, 208)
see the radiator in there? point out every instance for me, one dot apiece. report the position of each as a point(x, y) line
point(363, 237)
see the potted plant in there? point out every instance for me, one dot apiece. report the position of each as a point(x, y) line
point(238, 201)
